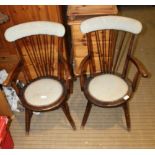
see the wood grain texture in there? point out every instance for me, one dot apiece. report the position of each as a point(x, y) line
point(4, 106)
point(76, 11)
point(76, 14)
point(19, 14)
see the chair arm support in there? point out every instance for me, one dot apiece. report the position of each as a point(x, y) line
point(13, 74)
point(67, 71)
point(66, 67)
point(83, 66)
point(140, 67)
point(141, 71)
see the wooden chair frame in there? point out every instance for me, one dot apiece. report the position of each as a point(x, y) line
point(42, 63)
point(109, 65)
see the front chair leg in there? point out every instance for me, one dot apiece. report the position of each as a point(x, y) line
point(86, 114)
point(127, 116)
point(66, 110)
point(28, 116)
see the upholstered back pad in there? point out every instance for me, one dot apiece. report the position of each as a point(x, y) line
point(33, 28)
point(111, 22)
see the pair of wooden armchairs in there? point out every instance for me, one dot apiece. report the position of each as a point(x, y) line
point(39, 44)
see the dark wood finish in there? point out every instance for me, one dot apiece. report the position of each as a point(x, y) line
point(113, 58)
point(28, 116)
point(42, 56)
point(141, 71)
point(140, 66)
point(66, 111)
point(127, 115)
point(86, 114)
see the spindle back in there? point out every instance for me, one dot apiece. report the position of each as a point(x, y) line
point(110, 42)
point(40, 46)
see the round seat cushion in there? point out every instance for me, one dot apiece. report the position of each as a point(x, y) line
point(108, 88)
point(43, 92)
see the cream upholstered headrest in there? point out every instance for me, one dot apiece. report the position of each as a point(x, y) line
point(111, 22)
point(33, 28)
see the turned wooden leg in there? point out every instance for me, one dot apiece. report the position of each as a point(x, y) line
point(71, 86)
point(66, 110)
point(28, 116)
point(86, 114)
point(127, 116)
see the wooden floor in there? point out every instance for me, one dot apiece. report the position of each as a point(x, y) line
point(106, 128)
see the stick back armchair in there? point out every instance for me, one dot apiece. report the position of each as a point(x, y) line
point(110, 40)
point(41, 59)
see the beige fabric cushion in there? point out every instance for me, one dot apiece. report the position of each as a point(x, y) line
point(108, 88)
point(111, 22)
point(34, 28)
point(43, 92)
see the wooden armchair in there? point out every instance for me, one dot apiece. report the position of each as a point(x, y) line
point(41, 60)
point(110, 42)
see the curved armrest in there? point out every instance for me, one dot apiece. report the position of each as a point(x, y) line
point(139, 66)
point(68, 75)
point(82, 68)
point(83, 64)
point(13, 74)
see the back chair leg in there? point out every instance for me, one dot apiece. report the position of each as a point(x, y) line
point(86, 114)
point(28, 116)
point(66, 110)
point(71, 86)
point(127, 116)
